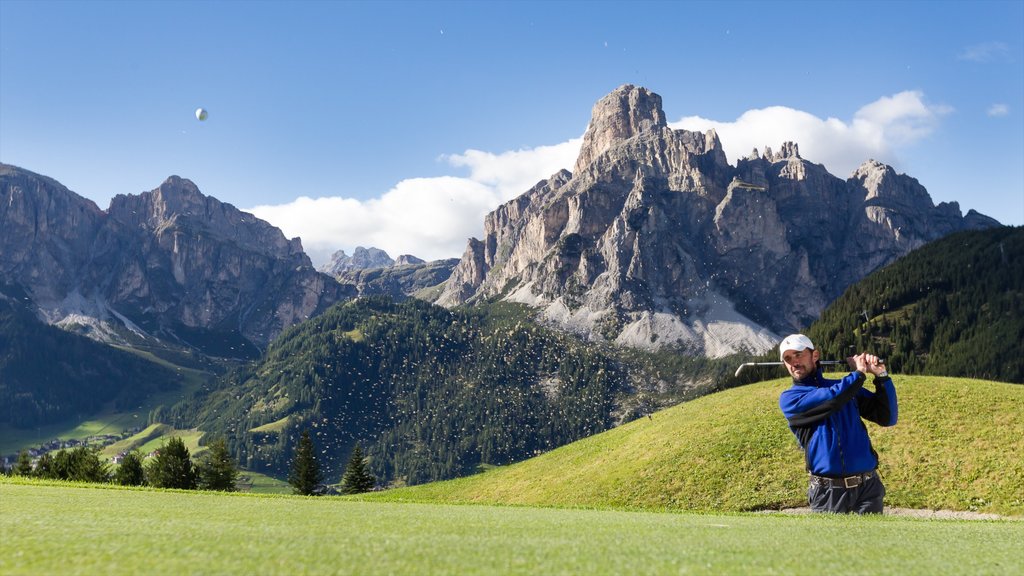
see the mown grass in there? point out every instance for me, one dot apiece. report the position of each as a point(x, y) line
point(959, 445)
point(70, 529)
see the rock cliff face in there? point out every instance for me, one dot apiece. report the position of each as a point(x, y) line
point(170, 263)
point(417, 279)
point(655, 240)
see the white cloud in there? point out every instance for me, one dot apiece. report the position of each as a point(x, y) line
point(985, 52)
point(515, 172)
point(874, 132)
point(998, 110)
point(430, 218)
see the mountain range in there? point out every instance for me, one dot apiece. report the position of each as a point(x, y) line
point(653, 241)
point(171, 264)
point(628, 284)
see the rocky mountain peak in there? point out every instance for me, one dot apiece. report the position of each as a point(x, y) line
point(883, 185)
point(172, 259)
point(361, 259)
point(178, 195)
point(655, 240)
point(626, 112)
point(178, 205)
point(408, 260)
point(789, 150)
point(44, 230)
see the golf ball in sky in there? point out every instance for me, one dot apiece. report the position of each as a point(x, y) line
point(200, 114)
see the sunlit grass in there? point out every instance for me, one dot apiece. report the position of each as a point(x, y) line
point(78, 529)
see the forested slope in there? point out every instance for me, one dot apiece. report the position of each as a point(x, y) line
point(430, 393)
point(48, 374)
point(954, 307)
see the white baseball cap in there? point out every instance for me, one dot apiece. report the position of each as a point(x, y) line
point(794, 342)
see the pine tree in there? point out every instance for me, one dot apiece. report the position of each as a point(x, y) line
point(356, 479)
point(46, 467)
point(87, 466)
point(172, 467)
point(24, 465)
point(217, 470)
point(305, 474)
point(130, 471)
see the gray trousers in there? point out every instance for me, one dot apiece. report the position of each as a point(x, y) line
point(863, 499)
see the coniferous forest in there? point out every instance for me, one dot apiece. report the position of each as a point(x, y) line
point(954, 307)
point(429, 393)
point(48, 374)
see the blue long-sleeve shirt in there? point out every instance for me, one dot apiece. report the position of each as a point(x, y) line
point(825, 415)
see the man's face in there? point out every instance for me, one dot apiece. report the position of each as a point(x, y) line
point(800, 363)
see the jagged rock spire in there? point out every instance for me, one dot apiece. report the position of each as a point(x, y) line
point(624, 113)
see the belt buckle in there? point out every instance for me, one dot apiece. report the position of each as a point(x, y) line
point(856, 481)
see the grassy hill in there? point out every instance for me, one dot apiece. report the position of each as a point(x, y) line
point(958, 446)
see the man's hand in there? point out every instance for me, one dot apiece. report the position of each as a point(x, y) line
point(869, 364)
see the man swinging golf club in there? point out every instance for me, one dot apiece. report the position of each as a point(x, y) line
point(825, 415)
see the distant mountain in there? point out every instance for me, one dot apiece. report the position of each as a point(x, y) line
point(170, 264)
point(954, 307)
point(48, 375)
point(422, 280)
point(361, 259)
point(656, 241)
point(374, 273)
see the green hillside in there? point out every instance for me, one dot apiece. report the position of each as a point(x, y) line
point(430, 393)
point(49, 376)
point(958, 446)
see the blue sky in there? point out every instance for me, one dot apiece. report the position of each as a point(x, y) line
point(400, 124)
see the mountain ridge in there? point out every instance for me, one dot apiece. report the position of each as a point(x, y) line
point(654, 240)
point(162, 264)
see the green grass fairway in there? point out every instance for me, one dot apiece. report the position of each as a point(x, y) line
point(79, 529)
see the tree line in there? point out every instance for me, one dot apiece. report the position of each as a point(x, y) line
point(173, 467)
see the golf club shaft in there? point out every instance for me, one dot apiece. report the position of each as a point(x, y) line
point(822, 362)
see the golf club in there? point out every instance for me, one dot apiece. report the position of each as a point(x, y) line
point(821, 362)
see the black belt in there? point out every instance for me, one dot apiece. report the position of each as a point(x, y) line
point(844, 482)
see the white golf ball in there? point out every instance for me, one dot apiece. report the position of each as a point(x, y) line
point(200, 114)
